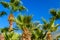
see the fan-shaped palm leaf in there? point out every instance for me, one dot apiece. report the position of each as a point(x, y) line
point(3, 13)
point(53, 12)
point(5, 4)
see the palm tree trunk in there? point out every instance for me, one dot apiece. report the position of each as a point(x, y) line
point(10, 19)
point(49, 36)
point(11, 23)
point(26, 34)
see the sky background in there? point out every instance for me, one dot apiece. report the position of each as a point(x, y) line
point(37, 8)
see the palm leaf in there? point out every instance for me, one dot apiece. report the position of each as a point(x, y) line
point(27, 19)
point(6, 36)
point(3, 13)
point(53, 12)
point(52, 22)
point(20, 18)
point(4, 30)
point(5, 4)
point(22, 8)
point(44, 21)
point(16, 3)
point(12, 1)
point(58, 15)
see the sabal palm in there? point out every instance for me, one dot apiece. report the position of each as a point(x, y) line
point(13, 5)
point(23, 22)
point(50, 26)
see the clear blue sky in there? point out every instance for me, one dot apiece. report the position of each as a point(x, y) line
point(38, 8)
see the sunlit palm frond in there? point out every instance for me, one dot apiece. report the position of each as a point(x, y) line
point(23, 21)
point(51, 22)
point(13, 5)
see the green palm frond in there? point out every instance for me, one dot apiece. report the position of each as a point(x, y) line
point(45, 26)
point(53, 12)
point(14, 8)
point(4, 30)
point(22, 8)
point(23, 20)
point(3, 13)
point(52, 22)
point(37, 34)
point(56, 14)
point(13, 5)
point(44, 21)
point(53, 29)
point(16, 3)
point(5, 4)
point(12, 1)
point(20, 18)
point(56, 27)
point(9, 35)
point(6, 36)
point(27, 19)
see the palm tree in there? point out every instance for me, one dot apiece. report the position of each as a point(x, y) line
point(56, 15)
point(30, 30)
point(50, 26)
point(13, 5)
point(23, 22)
point(37, 32)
